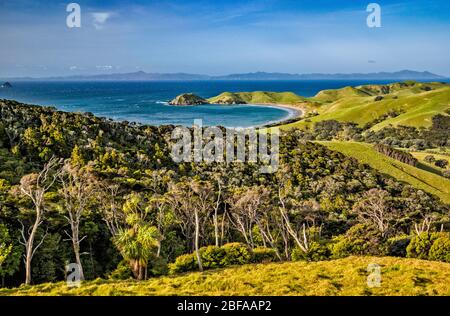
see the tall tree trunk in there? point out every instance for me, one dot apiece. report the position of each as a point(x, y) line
point(29, 249)
point(76, 249)
point(216, 228)
point(197, 233)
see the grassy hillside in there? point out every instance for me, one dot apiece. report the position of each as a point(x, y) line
point(399, 276)
point(417, 177)
point(415, 104)
point(259, 97)
point(420, 155)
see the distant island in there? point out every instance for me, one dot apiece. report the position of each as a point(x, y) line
point(6, 85)
point(144, 76)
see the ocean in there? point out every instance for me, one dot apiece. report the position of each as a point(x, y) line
point(146, 102)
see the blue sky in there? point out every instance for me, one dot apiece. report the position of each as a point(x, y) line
point(221, 37)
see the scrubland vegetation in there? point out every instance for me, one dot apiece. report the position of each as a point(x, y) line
point(108, 196)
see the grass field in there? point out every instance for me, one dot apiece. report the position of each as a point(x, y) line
point(348, 276)
point(414, 105)
point(420, 155)
point(420, 178)
point(260, 97)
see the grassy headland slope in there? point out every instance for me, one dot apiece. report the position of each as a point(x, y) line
point(417, 177)
point(407, 103)
point(260, 97)
point(348, 276)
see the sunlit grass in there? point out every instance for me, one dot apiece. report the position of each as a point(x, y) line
point(419, 178)
point(399, 276)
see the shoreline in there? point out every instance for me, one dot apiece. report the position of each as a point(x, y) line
point(293, 112)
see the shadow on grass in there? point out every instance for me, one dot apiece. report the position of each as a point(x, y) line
point(428, 168)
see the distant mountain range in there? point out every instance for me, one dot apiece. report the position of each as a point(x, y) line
point(144, 76)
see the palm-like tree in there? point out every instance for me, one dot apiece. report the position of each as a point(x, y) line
point(139, 241)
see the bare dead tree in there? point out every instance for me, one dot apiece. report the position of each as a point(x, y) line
point(424, 226)
point(77, 189)
point(251, 207)
point(301, 239)
point(375, 208)
point(110, 206)
point(192, 203)
point(34, 186)
point(216, 216)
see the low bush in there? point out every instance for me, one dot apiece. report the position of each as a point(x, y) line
point(316, 252)
point(184, 263)
point(264, 255)
point(440, 250)
point(360, 239)
point(396, 246)
point(420, 245)
point(122, 272)
point(213, 257)
point(236, 253)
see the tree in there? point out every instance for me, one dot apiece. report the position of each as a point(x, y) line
point(192, 201)
point(139, 239)
point(249, 207)
point(34, 186)
point(376, 208)
point(5, 244)
point(77, 189)
point(441, 163)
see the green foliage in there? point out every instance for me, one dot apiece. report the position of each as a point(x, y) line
point(420, 245)
point(5, 244)
point(396, 246)
point(51, 258)
point(316, 252)
point(184, 263)
point(264, 255)
point(10, 252)
point(361, 239)
point(440, 250)
point(213, 257)
point(236, 253)
point(122, 272)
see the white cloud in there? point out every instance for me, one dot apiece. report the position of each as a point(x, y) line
point(104, 67)
point(73, 68)
point(100, 19)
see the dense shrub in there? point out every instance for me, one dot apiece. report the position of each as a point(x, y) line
point(396, 246)
point(213, 257)
point(263, 255)
point(360, 239)
point(236, 253)
point(429, 159)
point(316, 252)
point(122, 272)
point(440, 250)
point(184, 263)
point(441, 163)
point(420, 245)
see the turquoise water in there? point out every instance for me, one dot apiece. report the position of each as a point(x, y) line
point(146, 102)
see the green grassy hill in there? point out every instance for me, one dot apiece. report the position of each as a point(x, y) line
point(415, 103)
point(348, 276)
point(259, 97)
point(419, 178)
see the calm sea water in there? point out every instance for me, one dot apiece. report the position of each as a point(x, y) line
point(146, 102)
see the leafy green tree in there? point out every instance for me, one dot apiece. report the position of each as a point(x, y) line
point(10, 253)
point(138, 241)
